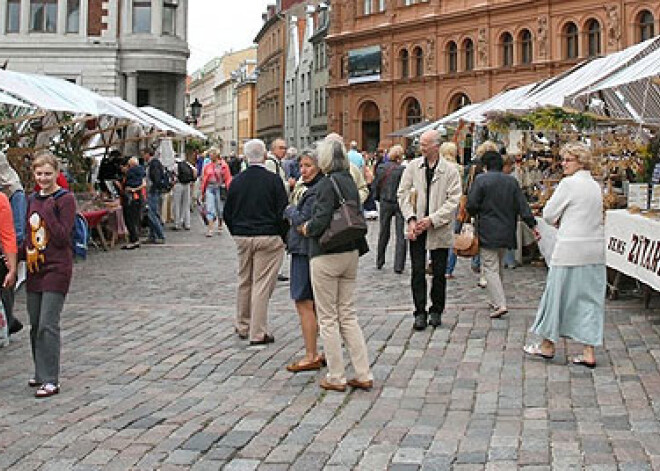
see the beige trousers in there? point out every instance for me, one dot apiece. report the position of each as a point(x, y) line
point(259, 259)
point(333, 282)
point(492, 269)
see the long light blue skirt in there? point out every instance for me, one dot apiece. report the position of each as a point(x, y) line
point(573, 304)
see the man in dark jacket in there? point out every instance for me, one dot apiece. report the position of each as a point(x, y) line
point(254, 214)
point(385, 186)
point(497, 201)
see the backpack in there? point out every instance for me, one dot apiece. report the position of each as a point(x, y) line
point(79, 232)
point(185, 172)
point(163, 178)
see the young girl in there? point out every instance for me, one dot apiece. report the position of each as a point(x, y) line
point(48, 253)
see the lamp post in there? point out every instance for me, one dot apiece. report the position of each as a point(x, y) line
point(196, 110)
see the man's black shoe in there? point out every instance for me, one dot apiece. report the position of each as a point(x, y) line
point(15, 327)
point(420, 322)
point(267, 339)
point(435, 319)
point(281, 277)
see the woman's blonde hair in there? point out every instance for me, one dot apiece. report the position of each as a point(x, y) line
point(214, 152)
point(485, 147)
point(396, 153)
point(46, 159)
point(579, 151)
point(448, 151)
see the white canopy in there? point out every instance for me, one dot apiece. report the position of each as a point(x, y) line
point(55, 94)
point(179, 126)
point(140, 116)
point(9, 100)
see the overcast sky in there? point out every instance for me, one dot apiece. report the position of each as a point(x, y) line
point(218, 26)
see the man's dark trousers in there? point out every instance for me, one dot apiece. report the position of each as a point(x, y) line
point(387, 211)
point(418, 279)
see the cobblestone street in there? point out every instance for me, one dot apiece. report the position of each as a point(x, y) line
point(153, 377)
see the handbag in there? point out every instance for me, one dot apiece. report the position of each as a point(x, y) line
point(466, 244)
point(347, 224)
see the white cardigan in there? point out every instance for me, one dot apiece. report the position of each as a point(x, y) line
point(577, 205)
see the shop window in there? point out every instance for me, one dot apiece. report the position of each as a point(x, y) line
point(142, 16)
point(507, 50)
point(593, 38)
point(13, 16)
point(169, 17)
point(570, 41)
point(468, 50)
point(645, 25)
point(43, 16)
point(419, 61)
point(403, 59)
point(526, 47)
point(452, 57)
point(72, 16)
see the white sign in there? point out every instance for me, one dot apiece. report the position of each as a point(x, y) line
point(638, 195)
point(633, 246)
point(655, 198)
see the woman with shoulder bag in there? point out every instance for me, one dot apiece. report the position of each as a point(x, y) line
point(216, 179)
point(334, 273)
point(49, 256)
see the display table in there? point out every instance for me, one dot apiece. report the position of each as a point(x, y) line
point(632, 244)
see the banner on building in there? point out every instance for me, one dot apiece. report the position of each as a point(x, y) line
point(364, 64)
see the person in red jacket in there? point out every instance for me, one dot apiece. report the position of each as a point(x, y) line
point(49, 258)
point(8, 261)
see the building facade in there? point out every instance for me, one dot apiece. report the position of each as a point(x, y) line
point(246, 82)
point(213, 85)
point(133, 49)
point(396, 62)
point(318, 127)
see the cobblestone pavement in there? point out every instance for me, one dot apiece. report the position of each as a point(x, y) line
point(153, 377)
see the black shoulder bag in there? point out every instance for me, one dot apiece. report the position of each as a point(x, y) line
point(347, 224)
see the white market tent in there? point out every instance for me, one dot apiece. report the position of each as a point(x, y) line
point(11, 101)
point(169, 120)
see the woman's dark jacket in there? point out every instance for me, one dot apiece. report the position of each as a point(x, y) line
point(300, 214)
point(327, 201)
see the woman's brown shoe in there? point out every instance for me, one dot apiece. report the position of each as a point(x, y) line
point(328, 386)
point(300, 366)
point(364, 385)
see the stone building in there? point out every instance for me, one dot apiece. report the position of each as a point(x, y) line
point(129, 48)
point(318, 127)
point(396, 62)
point(245, 82)
point(213, 86)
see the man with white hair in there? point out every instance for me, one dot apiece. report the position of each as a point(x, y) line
point(355, 157)
point(428, 195)
point(254, 216)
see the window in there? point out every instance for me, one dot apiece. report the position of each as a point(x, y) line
point(381, 5)
point(413, 112)
point(419, 61)
point(468, 49)
point(367, 7)
point(403, 58)
point(43, 16)
point(458, 101)
point(526, 47)
point(507, 50)
point(169, 17)
point(72, 16)
point(13, 16)
point(646, 25)
point(452, 57)
point(142, 97)
point(593, 36)
point(309, 113)
point(570, 41)
point(142, 16)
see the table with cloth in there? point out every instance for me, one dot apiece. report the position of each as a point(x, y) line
point(103, 216)
point(632, 243)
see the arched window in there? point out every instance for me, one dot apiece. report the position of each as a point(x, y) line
point(570, 41)
point(452, 57)
point(526, 47)
point(458, 101)
point(419, 61)
point(507, 50)
point(468, 49)
point(413, 111)
point(403, 58)
point(593, 37)
point(367, 7)
point(645, 25)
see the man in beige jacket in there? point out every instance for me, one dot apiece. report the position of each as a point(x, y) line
point(428, 195)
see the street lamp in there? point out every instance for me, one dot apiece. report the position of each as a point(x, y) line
point(196, 110)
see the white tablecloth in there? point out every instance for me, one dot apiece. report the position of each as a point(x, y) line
point(633, 246)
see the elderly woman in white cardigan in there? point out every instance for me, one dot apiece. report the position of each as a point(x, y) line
point(573, 302)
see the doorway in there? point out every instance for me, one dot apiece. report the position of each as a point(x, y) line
point(370, 122)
